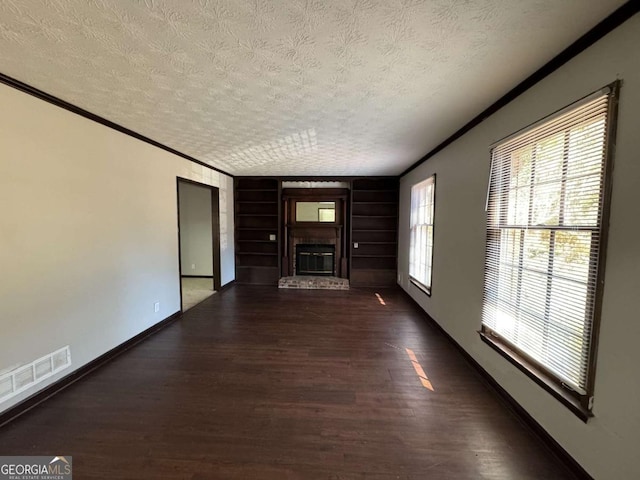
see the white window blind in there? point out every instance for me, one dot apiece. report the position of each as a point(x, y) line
point(421, 244)
point(544, 230)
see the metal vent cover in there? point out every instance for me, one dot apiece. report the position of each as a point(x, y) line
point(19, 379)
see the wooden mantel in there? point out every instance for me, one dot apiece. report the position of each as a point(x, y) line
point(314, 232)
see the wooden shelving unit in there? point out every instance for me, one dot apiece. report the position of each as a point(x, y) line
point(374, 227)
point(256, 218)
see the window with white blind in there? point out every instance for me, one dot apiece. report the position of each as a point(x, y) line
point(547, 214)
point(421, 243)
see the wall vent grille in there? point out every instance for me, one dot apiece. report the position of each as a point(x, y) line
point(6, 386)
point(24, 377)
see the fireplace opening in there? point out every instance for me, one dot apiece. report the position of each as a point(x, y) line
point(315, 259)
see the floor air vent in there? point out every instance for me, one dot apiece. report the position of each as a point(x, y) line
point(23, 377)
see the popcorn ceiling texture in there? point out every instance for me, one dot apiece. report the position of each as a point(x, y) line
point(288, 87)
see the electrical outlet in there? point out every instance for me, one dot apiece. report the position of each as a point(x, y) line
point(355, 244)
point(193, 266)
point(272, 237)
point(156, 307)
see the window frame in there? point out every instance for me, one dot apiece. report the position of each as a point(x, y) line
point(581, 404)
point(427, 289)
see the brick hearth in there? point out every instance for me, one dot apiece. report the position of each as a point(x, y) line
point(314, 283)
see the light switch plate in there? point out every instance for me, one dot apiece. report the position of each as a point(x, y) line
point(272, 237)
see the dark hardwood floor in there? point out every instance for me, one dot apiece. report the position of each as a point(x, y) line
point(261, 383)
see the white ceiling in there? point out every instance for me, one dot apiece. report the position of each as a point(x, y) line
point(289, 87)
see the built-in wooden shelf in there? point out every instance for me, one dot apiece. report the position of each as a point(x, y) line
point(254, 190)
point(370, 190)
point(258, 253)
point(254, 266)
point(255, 228)
point(378, 243)
point(257, 214)
point(257, 217)
point(370, 219)
point(374, 227)
point(258, 241)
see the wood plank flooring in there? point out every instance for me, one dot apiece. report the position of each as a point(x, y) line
point(261, 383)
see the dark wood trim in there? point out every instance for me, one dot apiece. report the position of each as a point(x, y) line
point(417, 283)
point(314, 194)
point(349, 230)
point(215, 231)
point(215, 234)
point(617, 18)
point(179, 241)
point(536, 373)
point(37, 398)
point(433, 223)
point(329, 178)
point(196, 183)
point(28, 89)
point(546, 439)
point(422, 288)
point(346, 233)
point(609, 160)
point(283, 221)
point(294, 230)
point(280, 238)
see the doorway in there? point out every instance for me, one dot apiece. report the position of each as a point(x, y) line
point(198, 241)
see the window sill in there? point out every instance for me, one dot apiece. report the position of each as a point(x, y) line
point(416, 283)
point(539, 377)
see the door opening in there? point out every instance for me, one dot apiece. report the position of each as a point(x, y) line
point(198, 241)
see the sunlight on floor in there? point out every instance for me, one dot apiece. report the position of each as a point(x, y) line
point(426, 383)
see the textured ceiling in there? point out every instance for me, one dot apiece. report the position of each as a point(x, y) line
point(288, 87)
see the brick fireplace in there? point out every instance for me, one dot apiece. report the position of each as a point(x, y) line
point(323, 239)
point(323, 242)
point(315, 259)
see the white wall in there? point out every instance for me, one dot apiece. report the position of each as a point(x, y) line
point(88, 233)
point(196, 239)
point(607, 446)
